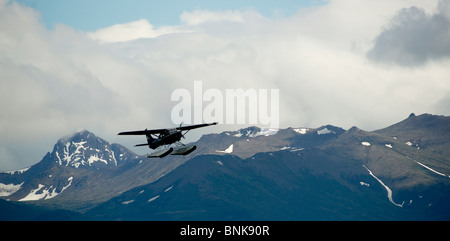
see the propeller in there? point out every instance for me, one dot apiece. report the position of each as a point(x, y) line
point(182, 135)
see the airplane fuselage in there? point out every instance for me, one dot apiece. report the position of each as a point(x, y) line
point(167, 138)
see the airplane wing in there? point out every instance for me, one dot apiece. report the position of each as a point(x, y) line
point(144, 132)
point(157, 131)
point(184, 128)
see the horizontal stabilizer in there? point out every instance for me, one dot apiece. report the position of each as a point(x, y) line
point(162, 152)
point(146, 144)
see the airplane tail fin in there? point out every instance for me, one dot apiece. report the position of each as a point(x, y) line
point(150, 141)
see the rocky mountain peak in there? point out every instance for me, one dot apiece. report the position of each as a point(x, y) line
point(84, 149)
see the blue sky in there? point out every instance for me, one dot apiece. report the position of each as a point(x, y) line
point(88, 15)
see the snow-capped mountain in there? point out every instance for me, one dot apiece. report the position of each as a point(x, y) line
point(327, 173)
point(75, 151)
point(82, 170)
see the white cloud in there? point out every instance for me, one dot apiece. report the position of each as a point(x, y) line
point(131, 31)
point(121, 77)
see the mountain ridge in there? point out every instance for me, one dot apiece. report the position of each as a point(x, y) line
point(324, 173)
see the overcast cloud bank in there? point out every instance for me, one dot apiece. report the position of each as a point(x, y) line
point(364, 63)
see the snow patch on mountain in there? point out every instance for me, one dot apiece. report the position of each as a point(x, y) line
point(17, 171)
point(127, 202)
point(389, 191)
point(429, 168)
point(71, 157)
point(95, 158)
point(253, 132)
point(228, 150)
point(292, 149)
point(153, 199)
point(267, 132)
point(325, 131)
point(365, 143)
point(364, 184)
point(301, 131)
point(45, 193)
point(9, 189)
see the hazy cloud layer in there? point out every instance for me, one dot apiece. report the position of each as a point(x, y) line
point(119, 78)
